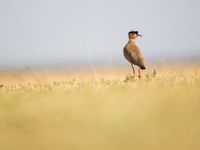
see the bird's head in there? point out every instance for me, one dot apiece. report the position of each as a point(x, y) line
point(134, 34)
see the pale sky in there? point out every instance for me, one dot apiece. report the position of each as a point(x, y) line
point(68, 32)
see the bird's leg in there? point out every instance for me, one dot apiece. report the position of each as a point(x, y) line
point(133, 69)
point(139, 75)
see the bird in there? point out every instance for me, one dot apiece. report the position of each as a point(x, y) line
point(132, 52)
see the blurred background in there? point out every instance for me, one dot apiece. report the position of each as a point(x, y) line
point(72, 33)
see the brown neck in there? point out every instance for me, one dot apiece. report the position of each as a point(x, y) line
point(132, 40)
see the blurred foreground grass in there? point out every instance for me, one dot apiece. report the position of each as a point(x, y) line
point(103, 110)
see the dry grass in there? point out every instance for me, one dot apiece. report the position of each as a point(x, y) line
point(106, 110)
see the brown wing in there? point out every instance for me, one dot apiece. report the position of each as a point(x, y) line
point(134, 56)
point(130, 55)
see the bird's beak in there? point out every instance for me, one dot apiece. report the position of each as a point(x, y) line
point(140, 35)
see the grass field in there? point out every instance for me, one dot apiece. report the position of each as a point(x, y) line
point(101, 110)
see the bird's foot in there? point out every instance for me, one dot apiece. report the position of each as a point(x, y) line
point(129, 78)
point(139, 77)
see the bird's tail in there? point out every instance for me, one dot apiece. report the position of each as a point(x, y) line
point(142, 67)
